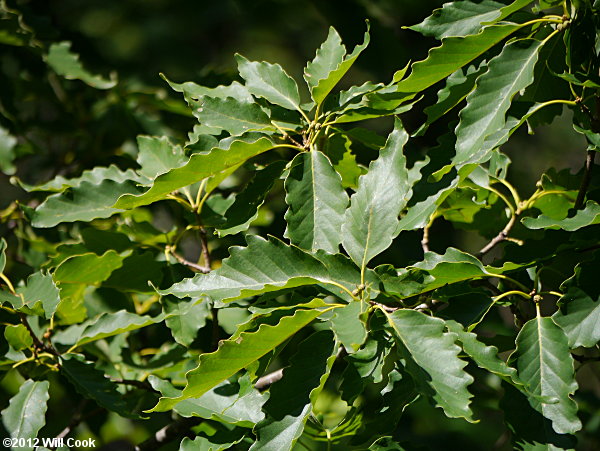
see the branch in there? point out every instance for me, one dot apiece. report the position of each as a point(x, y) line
point(502, 236)
point(183, 261)
point(268, 379)
point(170, 432)
point(587, 178)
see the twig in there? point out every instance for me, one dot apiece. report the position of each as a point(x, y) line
point(502, 236)
point(587, 178)
point(170, 432)
point(37, 344)
point(384, 307)
point(268, 379)
point(183, 261)
point(425, 240)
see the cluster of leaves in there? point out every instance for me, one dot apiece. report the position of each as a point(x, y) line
point(112, 305)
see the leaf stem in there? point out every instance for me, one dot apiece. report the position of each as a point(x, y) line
point(587, 178)
point(513, 281)
point(8, 283)
point(512, 292)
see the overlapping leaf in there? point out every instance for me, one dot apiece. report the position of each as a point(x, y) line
point(199, 166)
point(91, 383)
point(546, 366)
point(454, 53)
point(232, 115)
point(432, 359)
point(588, 216)
point(270, 82)
point(579, 314)
point(85, 202)
point(291, 398)
point(484, 115)
point(371, 220)
point(233, 355)
point(317, 202)
point(260, 267)
point(330, 65)
point(158, 155)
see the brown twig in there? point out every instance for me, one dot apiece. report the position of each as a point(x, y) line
point(587, 178)
point(37, 344)
point(183, 261)
point(267, 380)
point(502, 236)
point(75, 419)
point(170, 432)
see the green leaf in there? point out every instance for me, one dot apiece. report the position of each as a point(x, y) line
point(291, 398)
point(3, 247)
point(508, 73)
point(105, 325)
point(349, 325)
point(261, 267)
point(270, 82)
point(25, 415)
point(484, 356)
point(83, 203)
point(192, 91)
point(579, 313)
point(454, 53)
point(66, 63)
point(232, 115)
point(588, 216)
point(459, 18)
point(185, 318)
point(237, 403)
point(92, 383)
point(94, 176)
point(317, 202)
point(157, 155)
point(464, 18)
point(213, 441)
point(546, 367)
point(371, 220)
point(7, 152)
point(530, 430)
point(233, 355)
point(458, 86)
point(432, 360)
point(40, 288)
point(330, 64)
point(199, 166)
point(338, 150)
point(244, 209)
point(18, 337)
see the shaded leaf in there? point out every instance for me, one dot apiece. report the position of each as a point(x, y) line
point(185, 318)
point(40, 288)
point(93, 384)
point(233, 355)
point(105, 325)
point(25, 415)
point(579, 313)
point(7, 152)
point(371, 220)
point(66, 63)
point(432, 360)
point(291, 398)
point(244, 209)
point(349, 325)
point(546, 367)
point(270, 82)
point(199, 166)
point(317, 202)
